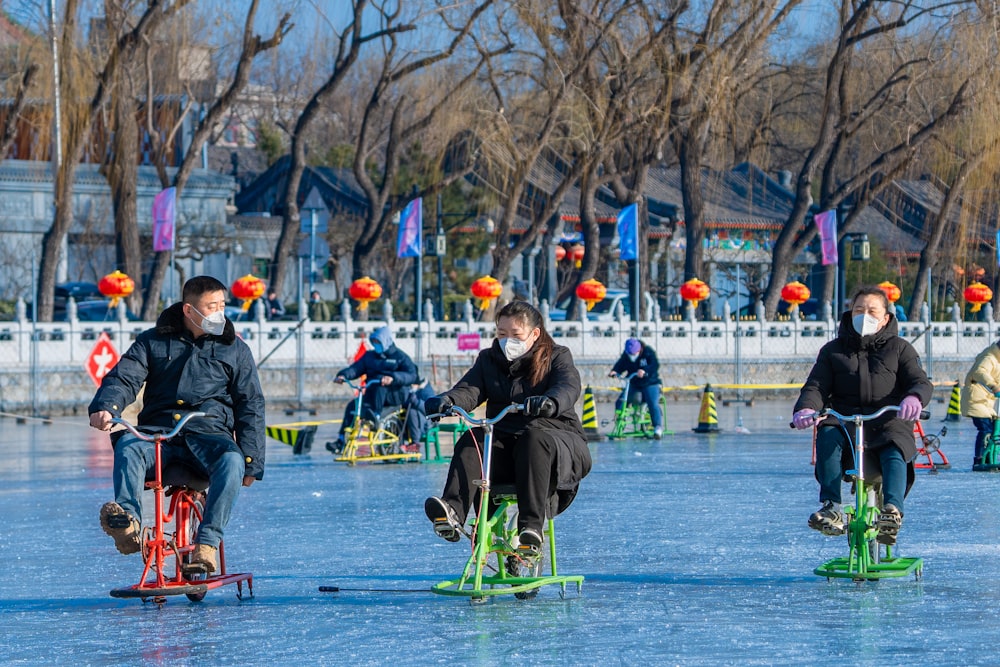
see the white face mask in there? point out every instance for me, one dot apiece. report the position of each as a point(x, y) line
point(865, 324)
point(213, 324)
point(632, 357)
point(514, 347)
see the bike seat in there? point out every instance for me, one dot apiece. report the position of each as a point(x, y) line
point(178, 474)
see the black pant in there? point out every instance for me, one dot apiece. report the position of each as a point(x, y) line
point(527, 461)
point(377, 397)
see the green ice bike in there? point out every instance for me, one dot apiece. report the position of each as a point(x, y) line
point(496, 565)
point(867, 558)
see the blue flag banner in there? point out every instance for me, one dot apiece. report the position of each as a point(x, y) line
point(628, 232)
point(411, 225)
point(164, 214)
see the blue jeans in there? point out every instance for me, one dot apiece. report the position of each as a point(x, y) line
point(650, 396)
point(830, 443)
point(984, 429)
point(213, 456)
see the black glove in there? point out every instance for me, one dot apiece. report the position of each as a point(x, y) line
point(539, 406)
point(438, 405)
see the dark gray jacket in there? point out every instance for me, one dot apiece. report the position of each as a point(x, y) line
point(212, 374)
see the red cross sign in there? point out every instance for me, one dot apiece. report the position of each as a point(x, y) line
point(101, 359)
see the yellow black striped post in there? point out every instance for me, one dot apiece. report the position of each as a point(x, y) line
point(589, 419)
point(300, 440)
point(708, 418)
point(954, 404)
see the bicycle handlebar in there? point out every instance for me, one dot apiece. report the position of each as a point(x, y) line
point(164, 436)
point(830, 412)
point(455, 411)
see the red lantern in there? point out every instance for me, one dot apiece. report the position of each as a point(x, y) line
point(591, 291)
point(795, 293)
point(115, 286)
point(560, 253)
point(365, 290)
point(485, 289)
point(576, 253)
point(891, 291)
point(977, 294)
point(248, 288)
point(694, 291)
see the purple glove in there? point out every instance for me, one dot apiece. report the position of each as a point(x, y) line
point(909, 408)
point(804, 418)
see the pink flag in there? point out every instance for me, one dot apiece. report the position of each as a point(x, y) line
point(826, 223)
point(164, 209)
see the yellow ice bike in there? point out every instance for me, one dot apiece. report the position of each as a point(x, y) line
point(376, 440)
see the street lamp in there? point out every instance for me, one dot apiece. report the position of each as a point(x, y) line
point(439, 246)
point(860, 252)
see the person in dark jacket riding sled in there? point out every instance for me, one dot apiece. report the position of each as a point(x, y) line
point(542, 451)
point(191, 361)
point(389, 373)
point(866, 367)
point(641, 360)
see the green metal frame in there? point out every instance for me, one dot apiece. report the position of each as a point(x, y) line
point(494, 544)
point(486, 571)
point(991, 451)
point(866, 559)
point(633, 421)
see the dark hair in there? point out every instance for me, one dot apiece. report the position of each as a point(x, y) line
point(199, 285)
point(872, 290)
point(525, 313)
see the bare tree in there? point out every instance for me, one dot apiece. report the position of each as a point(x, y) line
point(251, 46)
point(85, 92)
point(350, 43)
point(870, 49)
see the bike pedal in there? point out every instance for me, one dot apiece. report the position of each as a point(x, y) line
point(119, 520)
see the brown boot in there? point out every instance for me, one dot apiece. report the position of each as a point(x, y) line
point(201, 561)
point(122, 526)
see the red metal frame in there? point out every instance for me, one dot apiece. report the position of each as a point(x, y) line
point(161, 546)
point(920, 437)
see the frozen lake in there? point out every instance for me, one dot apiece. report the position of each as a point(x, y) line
point(695, 552)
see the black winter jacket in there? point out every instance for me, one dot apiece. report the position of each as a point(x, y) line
point(646, 361)
point(860, 375)
point(212, 374)
point(392, 362)
point(498, 383)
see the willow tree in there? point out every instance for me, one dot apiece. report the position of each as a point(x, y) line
point(884, 93)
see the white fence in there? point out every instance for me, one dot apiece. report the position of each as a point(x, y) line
point(282, 343)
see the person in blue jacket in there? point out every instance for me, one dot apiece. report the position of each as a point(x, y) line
point(191, 361)
point(389, 373)
point(641, 359)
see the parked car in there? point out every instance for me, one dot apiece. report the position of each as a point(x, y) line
point(80, 291)
point(604, 310)
point(94, 310)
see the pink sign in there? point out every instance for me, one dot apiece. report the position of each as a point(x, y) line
point(468, 342)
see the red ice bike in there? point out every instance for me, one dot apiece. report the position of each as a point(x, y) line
point(168, 543)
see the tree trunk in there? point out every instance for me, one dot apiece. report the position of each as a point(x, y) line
point(121, 172)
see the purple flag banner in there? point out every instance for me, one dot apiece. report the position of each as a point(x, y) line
point(164, 211)
point(409, 243)
point(628, 232)
point(826, 223)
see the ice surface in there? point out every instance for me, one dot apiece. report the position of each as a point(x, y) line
point(695, 553)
